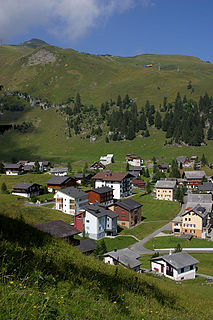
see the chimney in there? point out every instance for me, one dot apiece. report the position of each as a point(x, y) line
point(115, 250)
point(170, 252)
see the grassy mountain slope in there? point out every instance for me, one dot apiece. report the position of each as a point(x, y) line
point(99, 78)
point(44, 278)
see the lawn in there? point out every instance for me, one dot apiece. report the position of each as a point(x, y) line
point(172, 241)
point(14, 207)
point(118, 243)
point(155, 213)
point(206, 262)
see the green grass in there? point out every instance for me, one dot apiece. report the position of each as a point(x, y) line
point(206, 262)
point(119, 243)
point(172, 241)
point(156, 213)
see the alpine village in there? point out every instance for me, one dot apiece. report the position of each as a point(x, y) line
point(106, 185)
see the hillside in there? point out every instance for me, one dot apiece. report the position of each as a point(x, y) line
point(56, 74)
point(52, 280)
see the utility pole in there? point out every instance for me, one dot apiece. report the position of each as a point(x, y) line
point(158, 66)
point(178, 68)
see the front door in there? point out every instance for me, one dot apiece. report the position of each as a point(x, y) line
point(162, 268)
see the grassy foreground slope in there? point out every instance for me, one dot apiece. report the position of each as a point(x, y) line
point(44, 278)
point(99, 78)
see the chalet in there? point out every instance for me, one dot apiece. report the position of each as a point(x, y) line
point(102, 195)
point(96, 221)
point(184, 161)
point(105, 160)
point(163, 167)
point(46, 165)
point(128, 211)
point(176, 266)
point(70, 200)
point(80, 176)
point(59, 229)
point(137, 183)
point(56, 183)
point(134, 160)
point(28, 168)
point(124, 257)
point(61, 172)
point(193, 178)
point(87, 246)
point(27, 190)
point(206, 187)
point(165, 189)
point(41, 167)
point(13, 169)
point(135, 171)
point(97, 166)
point(120, 182)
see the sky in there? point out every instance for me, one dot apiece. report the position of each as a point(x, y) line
point(117, 27)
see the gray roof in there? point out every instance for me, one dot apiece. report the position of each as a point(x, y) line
point(206, 186)
point(100, 211)
point(74, 192)
point(163, 166)
point(199, 198)
point(181, 159)
point(194, 174)
point(128, 204)
point(28, 167)
point(87, 245)
point(177, 260)
point(12, 166)
point(24, 185)
point(136, 174)
point(57, 170)
point(57, 228)
point(168, 184)
point(57, 180)
point(126, 257)
point(103, 189)
point(80, 175)
point(135, 168)
point(207, 206)
point(198, 209)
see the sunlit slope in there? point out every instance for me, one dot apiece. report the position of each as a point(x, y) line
point(99, 78)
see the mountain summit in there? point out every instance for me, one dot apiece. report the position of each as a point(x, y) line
point(34, 43)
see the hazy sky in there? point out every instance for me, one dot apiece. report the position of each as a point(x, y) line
point(117, 27)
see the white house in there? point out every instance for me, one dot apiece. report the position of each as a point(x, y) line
point(120, 182)
point(96, 221)
point(124, 257)
point(13, 169)
point(61, 172)
point(106, 159)
point(70, 200)
point(27, 190)
point(176, 266)
point(133, 160)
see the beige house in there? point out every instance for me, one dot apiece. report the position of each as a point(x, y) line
point(165, 189)
point(194, 221)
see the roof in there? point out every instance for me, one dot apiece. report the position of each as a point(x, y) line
point(199, 198)
point(206, 186)
point(194, 174)
point(28, 167)
point(112, 176)
point(128, 204)
point(56, 170)
point(181, 159)
point(12, 166)
point(198, 209)
point(103, 189)
point(57, 228)
point(24, 185)
point(73, 192)
point(126, 257)
point(80, 175)
point(87, 245)
point(165, 184)
point(98, 211)
point(163, 166)
point(58, 180)
point(178, 260)
point(135, 168)
point(177, 219)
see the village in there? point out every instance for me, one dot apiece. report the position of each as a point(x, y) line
point(101, 203)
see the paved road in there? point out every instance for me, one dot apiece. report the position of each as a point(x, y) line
point(138, 247)
point(205, 276)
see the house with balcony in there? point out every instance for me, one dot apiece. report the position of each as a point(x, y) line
point(194, 178)
point(120, 182)
point(61, 172)
point(96, 221)
point(102, 195)
point(165, 189)
point(13, 169)
point(176, 266)
point(70, 200)
point(128, 211)
point(27, 190)
point(134, 160)
point(184, 162)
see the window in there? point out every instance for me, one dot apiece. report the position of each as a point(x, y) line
point(182, 270)
point(185, 219)
point(191, 267)
point(189, 219)
point(87, 221)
